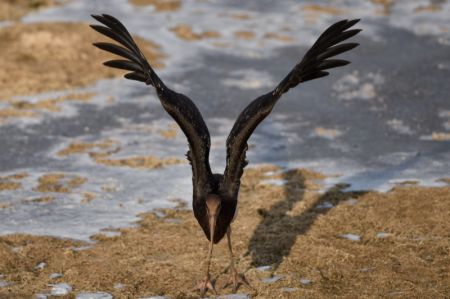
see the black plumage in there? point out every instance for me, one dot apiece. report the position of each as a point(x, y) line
point(216, 192)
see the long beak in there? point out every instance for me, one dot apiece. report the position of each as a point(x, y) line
point(212, 226)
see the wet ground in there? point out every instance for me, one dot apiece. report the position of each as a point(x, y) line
point(88, 150)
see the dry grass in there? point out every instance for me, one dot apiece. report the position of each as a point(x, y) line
point(59, 182)
point(9, 182)
point(55, 56)
point(160, 5)
point(85, 147)
point(15, 9)
point(185, 32)
point(170, 132)
point(101, 152)
point(278, 36)
point(149, 162)
point(277, 226)
point(247, 35)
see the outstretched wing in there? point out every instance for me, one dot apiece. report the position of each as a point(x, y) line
point(312, 66)
point(180, 107)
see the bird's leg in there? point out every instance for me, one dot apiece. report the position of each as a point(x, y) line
point(207, 284)
point(235, 279)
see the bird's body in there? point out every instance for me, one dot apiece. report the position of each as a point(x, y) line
point(226, 215)
point(215, 196)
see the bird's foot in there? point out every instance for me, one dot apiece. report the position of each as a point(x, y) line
point(205, 285)
point(236, 280)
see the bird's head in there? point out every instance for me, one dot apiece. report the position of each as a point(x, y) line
point(213, 205)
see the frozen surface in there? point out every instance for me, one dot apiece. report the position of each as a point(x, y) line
point(380, 121)
point(55, 275)
point(235, 296)
point(272, 279)
point(383, 235)
point(305, 281)
point(351, 237)
point(61, 289)
point(264, 268)
point(98, 295)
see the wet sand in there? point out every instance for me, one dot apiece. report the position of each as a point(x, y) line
point(336, 244)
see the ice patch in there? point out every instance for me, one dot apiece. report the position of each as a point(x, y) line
point(40, 266)
point(235, 296)
point(398, 126)
point(249, 79)
point(272, 279)
point(97, 295)
point(383, 235)
point(81, 248)
point(351, 237)
point(61, 289)
point(55, 275)
point(274, 182)
point(264, 268)
point(305, 281)
point(356, 86)
point(325, 205)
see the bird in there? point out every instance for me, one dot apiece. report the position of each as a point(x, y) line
point(215, 196)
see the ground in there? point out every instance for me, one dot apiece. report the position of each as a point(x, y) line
point(401, 247)
point(347, 191)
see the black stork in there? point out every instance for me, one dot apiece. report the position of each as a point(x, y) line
point(215, 196)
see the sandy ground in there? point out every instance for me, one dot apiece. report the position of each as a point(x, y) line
point(368, 245)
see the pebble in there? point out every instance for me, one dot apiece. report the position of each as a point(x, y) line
point(97, 295)
point(61, 289)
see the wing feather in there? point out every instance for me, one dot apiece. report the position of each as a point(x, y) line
point(177, 105)
point(312, 66)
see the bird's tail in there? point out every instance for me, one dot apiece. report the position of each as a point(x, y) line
point(135, 61)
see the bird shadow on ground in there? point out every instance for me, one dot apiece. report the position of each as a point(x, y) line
point(277, 232)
